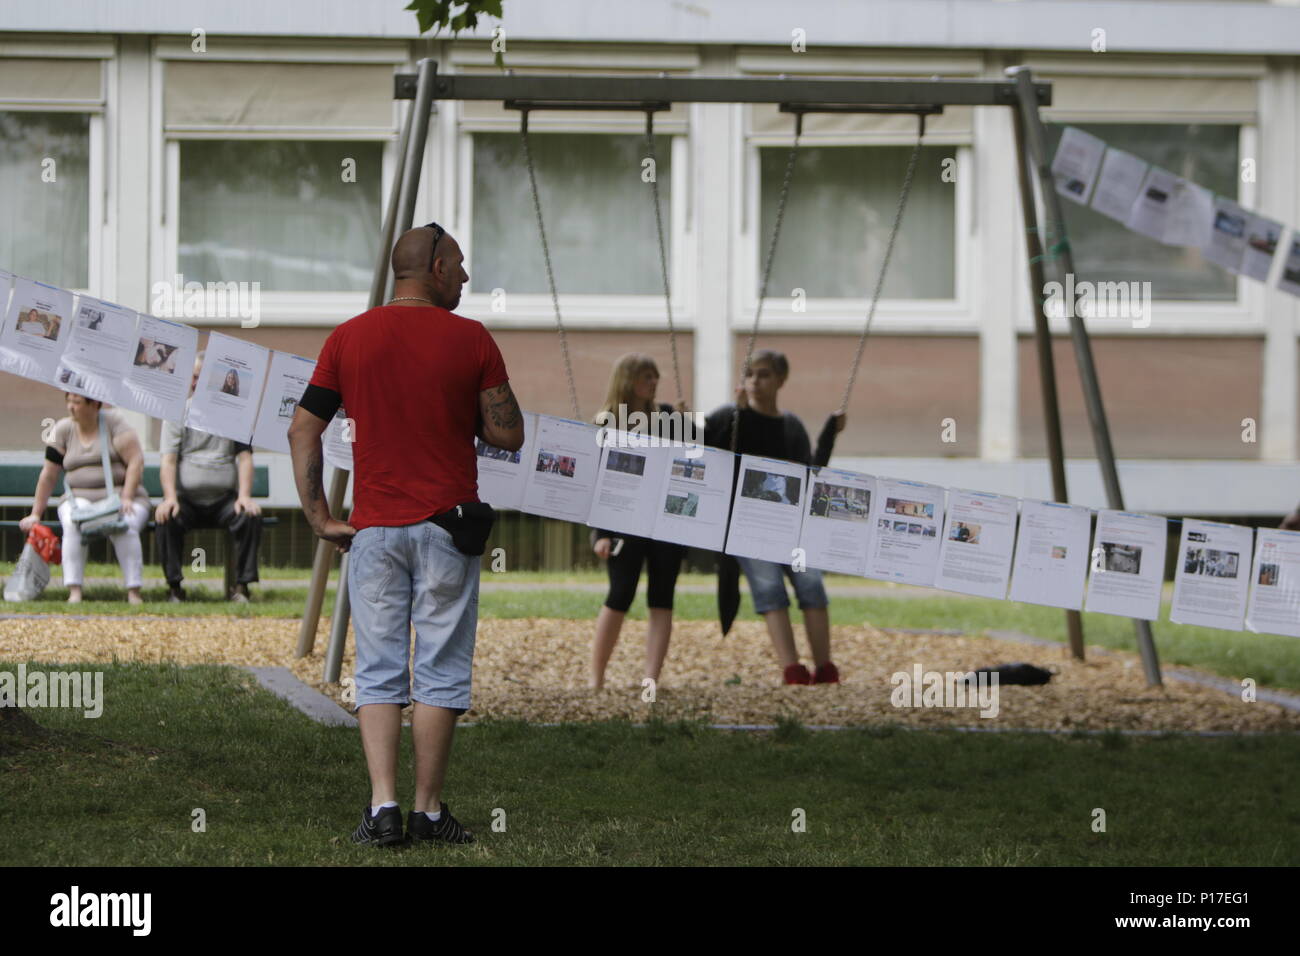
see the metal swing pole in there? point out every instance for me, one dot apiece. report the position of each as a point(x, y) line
point(1032, 125)
point(1043, 342)
point(400, 213)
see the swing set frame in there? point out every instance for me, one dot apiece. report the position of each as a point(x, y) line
point(1046, 241)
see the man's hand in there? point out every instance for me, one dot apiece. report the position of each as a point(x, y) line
point(247, 504)
point(336, 532)
point(602, 548)
point(30, 521)
point(166, 510)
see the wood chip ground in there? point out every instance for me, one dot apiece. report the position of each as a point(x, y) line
point(536, 670)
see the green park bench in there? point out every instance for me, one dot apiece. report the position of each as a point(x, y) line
point(19, 481)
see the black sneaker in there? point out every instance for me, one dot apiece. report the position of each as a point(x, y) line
point(446, 830)
point(175, 594)
point(385, 829)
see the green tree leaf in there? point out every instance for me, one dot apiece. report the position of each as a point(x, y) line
point(457, 15)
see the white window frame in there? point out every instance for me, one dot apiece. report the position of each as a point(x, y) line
point(1242, 316)
point(284, 309)
point(601, 312)
point(847, 315)
point(958, 315)
point(96, 150)
point(584, 310)
point(1246, 315)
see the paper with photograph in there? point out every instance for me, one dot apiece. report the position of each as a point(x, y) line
point(562, 472)
point(696, 499)
point(1289, 279)
point(1263, 236)
point(1191, 216)
point(1274, 606)
point(286, 380)
point(230, 385)
point(1128, 565)
point(501, 473)
point(837, 521)
point(1228, 235)
point(1118, 184)
point(101, 345)
point(629, 483)
point(162, 366)
point(36, 330)
point(1210, 574)
point(905, 544)
point(979, 536)
point(1051, 565)
point(767, 509)
point(1075, 166)
point(1150, 212)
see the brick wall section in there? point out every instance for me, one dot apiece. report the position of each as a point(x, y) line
point(1164, 397)
point(906, 386)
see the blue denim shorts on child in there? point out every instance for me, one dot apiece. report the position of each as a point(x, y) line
point(767, 587)
point(412, 575)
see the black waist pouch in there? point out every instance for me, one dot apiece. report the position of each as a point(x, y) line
point(469, 526)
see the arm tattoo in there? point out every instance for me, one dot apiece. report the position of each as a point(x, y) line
point(502, 407)
point(315, 466)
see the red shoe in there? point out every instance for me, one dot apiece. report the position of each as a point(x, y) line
point(797, 674)
point(827, 673)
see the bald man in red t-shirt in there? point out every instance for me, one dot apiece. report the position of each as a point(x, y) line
point(419, 384)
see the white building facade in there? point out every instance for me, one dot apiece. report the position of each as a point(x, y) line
point(245, 142)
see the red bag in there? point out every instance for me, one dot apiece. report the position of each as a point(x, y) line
point(46, 543)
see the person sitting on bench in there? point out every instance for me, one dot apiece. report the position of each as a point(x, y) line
point(207, 483)
point(75, 448)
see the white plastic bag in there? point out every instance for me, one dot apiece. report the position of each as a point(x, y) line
point(31, 576)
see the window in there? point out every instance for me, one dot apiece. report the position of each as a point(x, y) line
point(45, 207)
point(280, 212)
point(600, 221)
point(1107, 251)
point(838, 216)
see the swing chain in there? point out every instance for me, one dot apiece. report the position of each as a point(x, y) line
point(884, 263)
point(767, 271)
point(663, 255)
point(550, 275)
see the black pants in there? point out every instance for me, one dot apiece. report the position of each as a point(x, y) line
point(245, 528)
point(664, 561)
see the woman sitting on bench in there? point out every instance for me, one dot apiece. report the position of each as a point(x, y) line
point(74, 448)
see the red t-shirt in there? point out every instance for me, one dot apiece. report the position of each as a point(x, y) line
point(410, 378)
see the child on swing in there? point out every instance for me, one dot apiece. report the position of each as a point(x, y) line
point(767, 432)
point(632, 386)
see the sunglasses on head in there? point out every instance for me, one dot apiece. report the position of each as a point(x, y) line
point(438, 233)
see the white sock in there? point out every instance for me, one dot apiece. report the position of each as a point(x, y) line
point(435, 816)
point(374, 811)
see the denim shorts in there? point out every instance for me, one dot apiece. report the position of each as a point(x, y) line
point(412, 575)
point(767, 588)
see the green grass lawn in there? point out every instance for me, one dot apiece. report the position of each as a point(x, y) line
point(278, 789)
